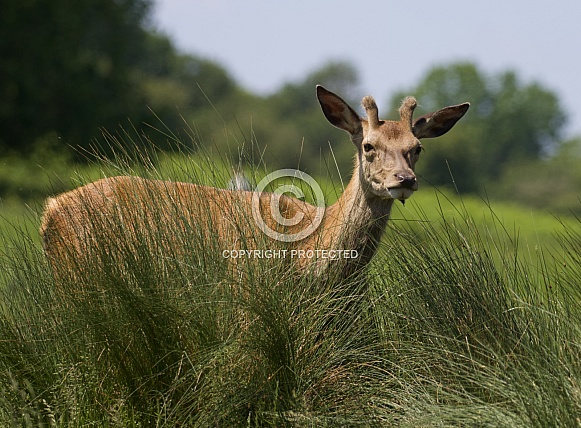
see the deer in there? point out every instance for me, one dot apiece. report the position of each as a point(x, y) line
point(386, 152)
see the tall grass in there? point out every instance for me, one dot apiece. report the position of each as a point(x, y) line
point(448, 327)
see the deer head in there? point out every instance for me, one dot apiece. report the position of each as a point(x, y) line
point(387, 151)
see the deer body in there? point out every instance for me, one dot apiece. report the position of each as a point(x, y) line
point(384, 172)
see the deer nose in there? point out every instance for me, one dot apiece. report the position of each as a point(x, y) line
point(407, 181)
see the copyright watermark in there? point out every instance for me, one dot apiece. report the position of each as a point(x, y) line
point(292, 254)
point(274, 222)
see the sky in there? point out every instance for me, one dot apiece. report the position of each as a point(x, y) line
point(264, 44)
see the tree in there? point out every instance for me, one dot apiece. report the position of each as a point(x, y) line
point(298, 112)
point(176, 85)
point(67, 67)
point(509, 122)
point(533, 183)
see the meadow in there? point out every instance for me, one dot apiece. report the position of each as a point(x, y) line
point(469, 315)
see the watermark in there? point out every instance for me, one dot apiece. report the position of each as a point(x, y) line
point(276, 225)
point(291, 254)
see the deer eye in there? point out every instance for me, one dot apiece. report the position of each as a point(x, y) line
point(367, 147)
point(418, 150)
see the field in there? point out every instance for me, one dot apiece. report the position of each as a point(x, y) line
point(469, 315)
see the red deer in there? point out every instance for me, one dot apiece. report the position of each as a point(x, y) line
point(386, 154)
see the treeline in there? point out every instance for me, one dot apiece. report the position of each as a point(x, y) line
point(71, 68)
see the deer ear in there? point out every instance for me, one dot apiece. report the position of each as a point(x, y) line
point(338, 111)
point(434, 124)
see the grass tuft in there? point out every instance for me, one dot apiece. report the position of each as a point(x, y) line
point(449, 326)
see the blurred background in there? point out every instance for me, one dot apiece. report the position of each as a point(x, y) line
point(239, 78)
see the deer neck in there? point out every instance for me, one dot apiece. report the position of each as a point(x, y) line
point(357, 220)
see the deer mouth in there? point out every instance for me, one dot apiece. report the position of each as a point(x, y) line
point(401, 193)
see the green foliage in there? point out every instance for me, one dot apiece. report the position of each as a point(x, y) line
point(41, 172)
point(440, 337)
point(551, 183)
point(67, 68)
point(175, 84)
point(534, 228)
point(96, 64)
point(450, 326)
point(296, 106)
point(509, 123)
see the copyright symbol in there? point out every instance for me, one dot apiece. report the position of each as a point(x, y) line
point(276, 218)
